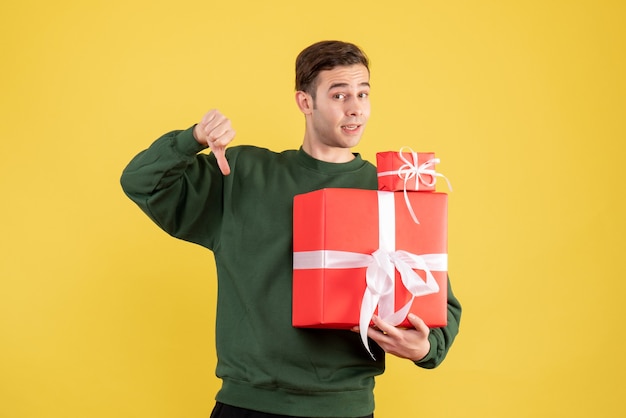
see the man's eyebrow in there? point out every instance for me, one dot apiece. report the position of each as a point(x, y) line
point(343, 85)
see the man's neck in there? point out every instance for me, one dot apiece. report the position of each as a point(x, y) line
point(326, 153)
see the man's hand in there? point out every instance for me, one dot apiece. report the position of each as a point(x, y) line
point(215, 131)
point(409, 343)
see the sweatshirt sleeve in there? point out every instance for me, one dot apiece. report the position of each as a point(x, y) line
point(178, 188)
point(441, 339)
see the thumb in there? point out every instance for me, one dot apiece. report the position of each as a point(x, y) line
point(220, 155)
point(418, 323)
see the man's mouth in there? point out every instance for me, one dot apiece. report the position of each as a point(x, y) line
point(350, 127)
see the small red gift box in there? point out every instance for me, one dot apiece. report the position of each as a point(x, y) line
point(359, 251)
point(402, 170)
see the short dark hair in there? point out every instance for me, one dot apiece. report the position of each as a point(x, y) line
point(322, 56)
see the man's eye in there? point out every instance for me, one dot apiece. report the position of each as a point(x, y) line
point(339, 96)
point(364, 95)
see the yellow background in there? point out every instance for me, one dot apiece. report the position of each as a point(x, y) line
point(104, 315)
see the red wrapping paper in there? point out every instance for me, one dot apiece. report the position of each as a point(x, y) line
point(348, 220)
point(390, 163)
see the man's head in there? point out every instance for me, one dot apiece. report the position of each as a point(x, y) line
point(325, 55)
point(332, 91)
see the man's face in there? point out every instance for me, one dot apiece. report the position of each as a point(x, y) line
point(341, 106)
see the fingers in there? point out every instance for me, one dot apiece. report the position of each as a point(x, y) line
point(382, 326)
point(418, 323)
point(411, 343)
point(381, 331)
point(217, 132)
point(217, 129)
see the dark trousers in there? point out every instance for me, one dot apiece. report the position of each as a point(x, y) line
point(226, 411)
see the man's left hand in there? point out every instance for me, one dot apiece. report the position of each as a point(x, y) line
point(411, 343)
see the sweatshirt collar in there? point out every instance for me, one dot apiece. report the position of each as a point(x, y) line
point(330, 168)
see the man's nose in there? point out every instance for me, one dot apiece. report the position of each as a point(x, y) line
point(354, 108)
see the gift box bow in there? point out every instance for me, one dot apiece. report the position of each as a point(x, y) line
point(412, 169)
point(381, 266)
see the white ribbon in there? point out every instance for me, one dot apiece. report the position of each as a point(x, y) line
point(381, 266)
point(410, 170)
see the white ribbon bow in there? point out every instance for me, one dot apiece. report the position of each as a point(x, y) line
point(380, 279)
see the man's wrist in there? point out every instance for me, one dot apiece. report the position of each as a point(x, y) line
point(196, 135)
point(422, 354)
point(186, 144)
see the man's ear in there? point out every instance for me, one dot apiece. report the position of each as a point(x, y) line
point(304, 102)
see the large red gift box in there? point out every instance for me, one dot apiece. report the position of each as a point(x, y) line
point(346, 240)
point(401, 170)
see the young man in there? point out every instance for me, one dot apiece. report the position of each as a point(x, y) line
point(238, 202)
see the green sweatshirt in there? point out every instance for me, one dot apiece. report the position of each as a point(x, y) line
point(246, 220)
